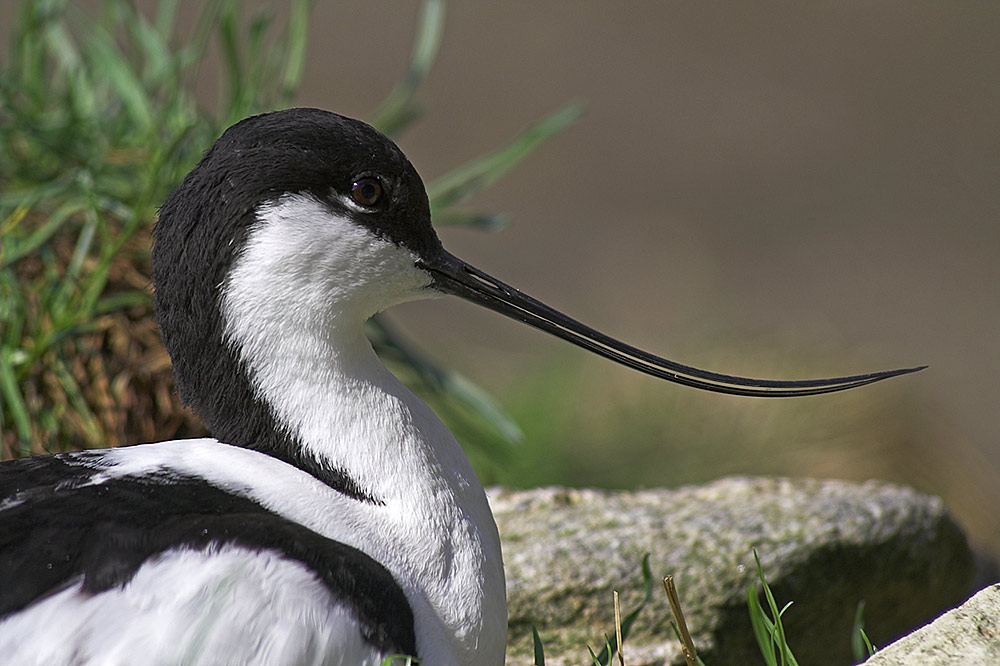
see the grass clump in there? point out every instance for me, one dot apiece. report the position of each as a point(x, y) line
point(98, 122)
point(765, 619)
point(768, 629)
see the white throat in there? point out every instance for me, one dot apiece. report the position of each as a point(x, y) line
point(294, 307)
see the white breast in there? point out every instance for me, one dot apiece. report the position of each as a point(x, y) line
point(294, 307)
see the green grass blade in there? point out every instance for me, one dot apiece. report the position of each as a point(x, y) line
point(455, 395)
point(399, 660)
point(398, 110)
point(773, 628)
point(78, 403)
point(861, 647)
point(478, 174)
point(62, 48)
point(257, 67)
point(227, 30)
point(13, 401)
point(190, 56)
point(91, 222)
point(107, 58)
point(165, 18)
point(63, 304)
point(16, 248)
point(539, 649)
point(295, 49)
point(647, 583)
point(12, 311)
point(471, 220)
point(761, 626)
point(468, 394)
point(120, 301)
point(147, 40)
point(425, 48)
point(28, 197)
point(869, 648)
point(784, 651)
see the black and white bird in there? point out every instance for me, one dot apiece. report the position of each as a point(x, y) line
point(333, 519)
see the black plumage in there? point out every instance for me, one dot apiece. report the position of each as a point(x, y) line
point(58, 529)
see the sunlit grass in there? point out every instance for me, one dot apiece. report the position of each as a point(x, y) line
point(98, 121)
point(765, 618)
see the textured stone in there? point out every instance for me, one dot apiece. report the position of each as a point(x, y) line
point(969, 634)
point(826, 545)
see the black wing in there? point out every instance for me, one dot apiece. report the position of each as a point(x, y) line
point(57, 527)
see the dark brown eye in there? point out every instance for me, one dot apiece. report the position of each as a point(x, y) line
point(366, 191)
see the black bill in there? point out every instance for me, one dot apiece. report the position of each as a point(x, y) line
point(454, 276)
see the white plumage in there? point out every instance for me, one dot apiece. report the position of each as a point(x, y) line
point(219, 607)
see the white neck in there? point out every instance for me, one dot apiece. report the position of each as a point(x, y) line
point(297, 319)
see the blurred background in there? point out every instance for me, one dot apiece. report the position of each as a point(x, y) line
point(786, 190)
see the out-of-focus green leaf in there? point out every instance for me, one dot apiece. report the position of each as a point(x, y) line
point(462, 400)
point(108, 59)
point(295, 48)
point(611, 644)
point(398, 110)
point(77, 402)
point(474, 176)
point(471, 220)
point(166, 15)
point(15, 248)
point(120, 300)
point(14, 404)
point(151, 42)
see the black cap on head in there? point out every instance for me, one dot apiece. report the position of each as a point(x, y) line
point(308, 150)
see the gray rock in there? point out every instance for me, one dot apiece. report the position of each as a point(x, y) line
point(969, 634)
point(826, 545)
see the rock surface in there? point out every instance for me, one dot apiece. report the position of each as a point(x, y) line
point(826, 545)
point(969, 634)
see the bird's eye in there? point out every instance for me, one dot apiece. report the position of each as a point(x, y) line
point(366, 191)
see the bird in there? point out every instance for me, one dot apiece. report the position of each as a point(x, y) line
point(331, 518)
